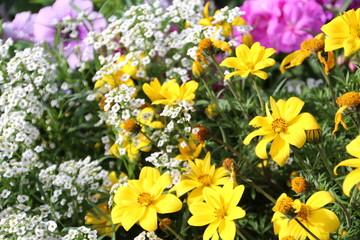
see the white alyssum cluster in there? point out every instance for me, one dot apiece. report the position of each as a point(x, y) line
point(71, 182)
point(147, 235)
point(21, 226)
point(82, 233)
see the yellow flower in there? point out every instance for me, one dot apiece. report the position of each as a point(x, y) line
point(197, 69)
point(188, 150)
point(225, 26)
point(219, 211)
point(308, 47)
point(202, 174)
point(321, 222)
point(250, 61)
point(348, 100)
point(130, 146)
point(143, 199)
point(353, 177)
point(284, 126)
point(343, 32)
point(170, 92)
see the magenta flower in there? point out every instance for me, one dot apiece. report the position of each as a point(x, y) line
point(74, 23)
point(21, 28)
point(283, 24)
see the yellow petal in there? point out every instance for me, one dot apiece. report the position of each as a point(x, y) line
point(125, 195)
point(350, 181)
point(211, 229)
point(261, 74)
point(149, 173)
point(287, 60)
point(212, 197)
point(324, 219)
point(232, 62)
point(227, 229)
point(339, 119)
point(237, 194)
point(243, 51)
point(131, 215)
point(259, 121)
point(292, 107)
point(260, 149)
point(275, 108)
point(295, 136)
point(235, 213)
point(116, 214)
point(195, 195)
point(354, 147)
point(167, 203)
point(320, 199)
point(201, 220)
point(185, 186)
point(163, 181)
point(305, 121)
point(280, 151)
point(258, 132)
point(355, 162)
point(149, 219)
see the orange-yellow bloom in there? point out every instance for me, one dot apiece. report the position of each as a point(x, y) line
point(250, 61)
point(189, 150)
point(348, 100)
point(353, 177)
point(308, 47)
point(343, 32)
point(218, 212)
point(284, 126)
point(321, 222)
point(202, 174)
point(142, 200)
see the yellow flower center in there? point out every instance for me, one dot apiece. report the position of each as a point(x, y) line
point(279, 125)
point(298, 184)
point(350, 99)
point(205, 179)
point(303, 212)
point(313, 45)
point(144, 199)
point(220, 213)
point(205, 43)
point(283, 205)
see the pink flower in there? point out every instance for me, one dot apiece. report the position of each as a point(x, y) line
point(74, 23)
point(21, 28)
point(283, 24)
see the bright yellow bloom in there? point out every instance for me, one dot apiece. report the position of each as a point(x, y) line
point(343, 32)
point(170, 92)
point(131, 146)
point(143, 199)
point(219, 212)
point(321, 222)
point(353, 177)
point(348, 100)
point(225, 26)
point(202, 175)
point(188, 150)
point(250, 61)
point(308, 47)
point(284, 126)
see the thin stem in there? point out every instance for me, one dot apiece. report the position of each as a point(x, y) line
point(258, 94)
point(306, 229)
point(230, 87)
point(302, 161)
point(328, 82)
point(326, 163)
point(240, 234)
point(257, 188)
point(353, 195)
point(171, 230)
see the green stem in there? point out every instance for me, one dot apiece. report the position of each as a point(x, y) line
point(303, 163)
point(240, 234)
point(171, 230)
point(306, 229)
point(353, 195)
point(328, 82)
point(324, 160)
point(258, 94)
point(230, 87)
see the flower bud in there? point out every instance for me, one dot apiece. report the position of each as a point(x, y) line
point(313, 136)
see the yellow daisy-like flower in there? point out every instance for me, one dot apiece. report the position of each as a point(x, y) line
point(321, 222)
point(225, 26)
point(343, 32)
point(250, 61)
point(142, 200)
point(189, 150)
point(218, 211)
point(202, 175)
point(348, 100)
point(170, 92)
point(284, 126)
point(309, 47)
point(353, 177)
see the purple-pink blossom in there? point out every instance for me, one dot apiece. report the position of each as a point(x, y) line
point(74, 19)
point(21, 28)
point(284, 24)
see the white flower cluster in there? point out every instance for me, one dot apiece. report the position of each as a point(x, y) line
point(82, 233)
point(121, 105)
point(71, 182)
point(20, 226)
point(147, 235)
